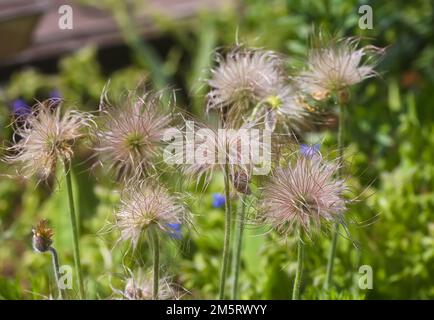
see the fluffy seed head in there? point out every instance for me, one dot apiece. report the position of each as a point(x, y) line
point(44, 136)
point(148, 205)
point(139, 287)
point(240, 149)
point(249, 78)
point(305, 195)
point(281, 104)
point(336, 64)
point(129, 137)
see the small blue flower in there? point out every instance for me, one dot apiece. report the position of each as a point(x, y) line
point(20, 107)
point(175, 230)
point(55, 94)
point(310, 150)
point(218, 200)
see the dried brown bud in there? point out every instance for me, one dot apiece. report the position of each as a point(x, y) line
point(42, 236)
point(240, 181)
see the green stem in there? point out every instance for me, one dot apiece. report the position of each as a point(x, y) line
point(329, 275)
point(356, 288)
point(299, 273)
point(74, 232)
point(156, 262)
point(56, 271)
point(341, 137)
point(238, 245)
point(226, 249)
point(332, 253)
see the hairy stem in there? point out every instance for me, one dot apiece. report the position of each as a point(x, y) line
point(299, 273)
point(226, 245)
point(329, 275)
point(75, 235)
point(55, 260)
point(156, 263)
point(238, 245)
point(332, 253)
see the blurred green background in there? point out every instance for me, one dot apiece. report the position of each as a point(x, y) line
point(390, 148)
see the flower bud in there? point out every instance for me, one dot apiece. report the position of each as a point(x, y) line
point(42, 236)
point(240, 181)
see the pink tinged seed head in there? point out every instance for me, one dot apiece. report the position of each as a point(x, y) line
point(129, 138)
point(47, 135)
point(252, 82)
point(148, 205)
point(337, 64)
point(305, 194)
point(212, 149)
point(139, 287)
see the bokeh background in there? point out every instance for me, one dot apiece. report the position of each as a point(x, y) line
point(170, 44)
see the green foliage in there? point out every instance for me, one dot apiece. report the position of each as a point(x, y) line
point(81, 77)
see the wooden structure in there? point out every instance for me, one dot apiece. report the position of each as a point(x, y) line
point(29, 29)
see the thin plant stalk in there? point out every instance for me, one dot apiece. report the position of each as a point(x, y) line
point(156, 263)
point(332, 253)
point(329, 275)
point(238, 245)
point(75, 235)
point(299, 272)
point(55, 260)
point(227, 236)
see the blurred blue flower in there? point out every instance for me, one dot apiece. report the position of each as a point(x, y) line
point(175, 230)
point(310, 150)
point(218, 200)
point(55, 94)
point(20, 107)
